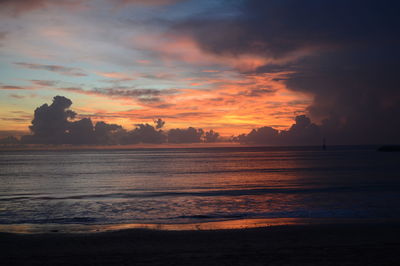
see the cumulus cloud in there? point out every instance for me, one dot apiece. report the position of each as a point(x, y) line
point(189, 135)
point(145, 133)
point(211, 136)
point(68, 71)
point(57, 124)
point(51, 122)
point(303, 132)
point(107, 133)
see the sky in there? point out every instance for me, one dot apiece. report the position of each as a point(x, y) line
point(231, 66)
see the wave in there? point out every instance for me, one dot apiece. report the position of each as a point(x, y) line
point(66, 220)
point(206, 217)
point(208, 193)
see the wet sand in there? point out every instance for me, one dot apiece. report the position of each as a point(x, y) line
point(337, 244)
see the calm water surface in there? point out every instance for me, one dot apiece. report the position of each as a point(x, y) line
point(101, 187)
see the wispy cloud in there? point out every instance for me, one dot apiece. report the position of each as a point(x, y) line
point(143, 95)
point(44, 83)
point(68, 71)
point(11, 87)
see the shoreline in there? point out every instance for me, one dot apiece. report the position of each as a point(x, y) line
point(231, 224)
point(323, 244)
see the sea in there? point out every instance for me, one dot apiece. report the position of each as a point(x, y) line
point(89, 190)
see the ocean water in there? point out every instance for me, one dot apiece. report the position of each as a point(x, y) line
point(183, 186)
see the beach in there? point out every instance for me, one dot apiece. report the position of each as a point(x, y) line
point(325, 244)
point(214, 206)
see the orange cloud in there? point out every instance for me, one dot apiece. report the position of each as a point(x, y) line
point(185, 49)
point(116, 75)
point(230, 106)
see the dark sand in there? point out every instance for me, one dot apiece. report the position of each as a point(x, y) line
point(340, 244)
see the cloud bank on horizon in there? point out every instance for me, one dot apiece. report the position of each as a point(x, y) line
point(230, 66)
point(58, 124)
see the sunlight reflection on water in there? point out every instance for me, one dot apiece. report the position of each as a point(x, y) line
point(190, 186)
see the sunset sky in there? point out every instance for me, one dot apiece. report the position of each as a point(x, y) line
point(230, 66)
point(123, 62)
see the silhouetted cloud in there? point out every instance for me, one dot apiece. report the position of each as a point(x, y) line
point(57, 124)
point(51, 122)
point(303, 132)
point(13, 133)
point(159, 123)
point(81, 132)
point(68, 71)
point(189, 135)
point(10, 140)
point(211, 136)
point(108, 133)
point(145, 133)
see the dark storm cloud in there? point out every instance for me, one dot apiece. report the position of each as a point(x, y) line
point(68, 71)
point(344, 52)
point(279, 28)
